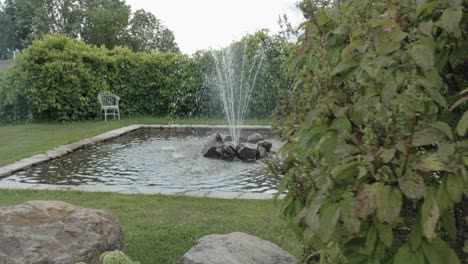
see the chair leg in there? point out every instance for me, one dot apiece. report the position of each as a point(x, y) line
point(105, 115)
point(118, 113)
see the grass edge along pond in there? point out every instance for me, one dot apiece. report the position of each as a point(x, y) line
point(25, 140)
point(160, 229)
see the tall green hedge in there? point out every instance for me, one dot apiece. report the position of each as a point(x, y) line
point(58, 79)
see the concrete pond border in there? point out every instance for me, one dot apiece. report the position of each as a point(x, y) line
point(123, 189)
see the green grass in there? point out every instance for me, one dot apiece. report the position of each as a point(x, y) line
point(160, 229)
point(21, 141)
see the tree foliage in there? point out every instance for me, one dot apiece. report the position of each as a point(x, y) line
point(147, 33)
point(98, 22)
point(376, 167)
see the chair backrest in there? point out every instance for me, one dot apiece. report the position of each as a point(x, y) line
point(108, 99)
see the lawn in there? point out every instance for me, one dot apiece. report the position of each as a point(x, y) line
point(21, 141)
point(160, 229)
point(157, 229)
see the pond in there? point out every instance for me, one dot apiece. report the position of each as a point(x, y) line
point(166, 158)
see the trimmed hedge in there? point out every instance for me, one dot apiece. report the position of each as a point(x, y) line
point(58, 79)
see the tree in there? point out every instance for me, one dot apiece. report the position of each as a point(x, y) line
point(8, 39)
point(105, 22)
point(147, 33)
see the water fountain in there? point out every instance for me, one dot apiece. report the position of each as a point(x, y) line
point(236, 76)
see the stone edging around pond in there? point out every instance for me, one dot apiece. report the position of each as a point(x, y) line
point(123, 189)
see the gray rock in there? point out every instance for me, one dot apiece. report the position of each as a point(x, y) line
point(254, 138)
point(231, 148)
point(213, 146)
point(247, 152)
point(227, 138)
point(56, 232)
point(235, 248)
point(265, 144)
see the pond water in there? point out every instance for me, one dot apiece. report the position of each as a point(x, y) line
point(166, 158)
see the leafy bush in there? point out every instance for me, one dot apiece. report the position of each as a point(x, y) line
point(376, 170)
point(58, 79)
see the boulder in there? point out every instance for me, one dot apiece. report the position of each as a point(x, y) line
point(265, 144)
point(254, 138)
point(235, 248)
point(226, 138)
point(247, 152)
point(56, 232)
point(213, 148)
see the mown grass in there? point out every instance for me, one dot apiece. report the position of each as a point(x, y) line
point(21, 141)
point(160, 229)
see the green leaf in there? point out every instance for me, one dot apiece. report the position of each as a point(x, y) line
point(371, 240)
point(431, 91)
point(455, 186)
point(322, 18)
point(462, 126)
point(359, 110)
point(437, 252)
point(387, 155)
point(385, 234)
point(415, 237)
point(426, 27)
point(350, 221)
point(366, 200)
point(388, 93)
point(412, 185)
point(345, 171)
point(427, 8)
point(345, 66)
point(427, 136)
point(448, 223)
point(442, 197)
point(389, 204)
point(340, 30)
point(443, 127)
point(406, 255)
point(327, 146)
point(445, 152)
point(423, 56)
point(328, 220)
point(450, 19)
point(341, 124)
point(432, 162)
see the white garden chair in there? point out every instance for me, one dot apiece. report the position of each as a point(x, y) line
point(109, 101)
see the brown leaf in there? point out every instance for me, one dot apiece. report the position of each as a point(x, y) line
point(366, 200)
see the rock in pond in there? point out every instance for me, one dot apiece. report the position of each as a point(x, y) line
point(235, 248)
point(247, 152)
point(56, 232)
point(213, 148)
point(265, 144)
point(254, 138)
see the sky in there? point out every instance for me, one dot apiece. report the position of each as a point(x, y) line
point(204, 24)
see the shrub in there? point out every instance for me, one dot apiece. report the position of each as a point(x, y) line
point(58, 79)
point(376, 170)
